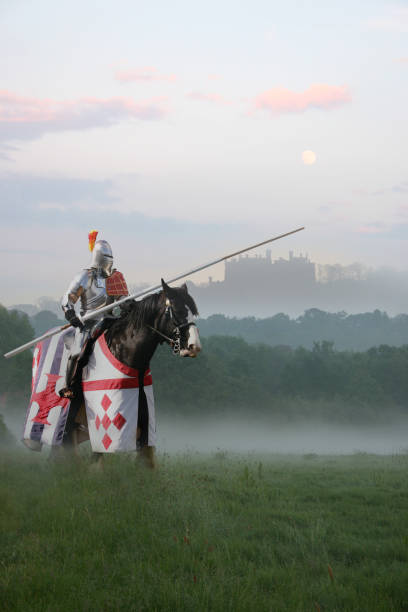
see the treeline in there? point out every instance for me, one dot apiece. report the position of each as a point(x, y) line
point(348, 332)
point(15, 330)
point(231, 374)
point(289, 383)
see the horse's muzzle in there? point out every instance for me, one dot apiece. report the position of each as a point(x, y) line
point(193, 343)
point(192, 351)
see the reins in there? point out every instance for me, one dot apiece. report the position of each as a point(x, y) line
point(169, 340)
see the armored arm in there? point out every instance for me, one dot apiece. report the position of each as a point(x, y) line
point(75, 290)
point(73, 293)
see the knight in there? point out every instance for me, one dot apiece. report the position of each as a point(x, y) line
point(95, 287)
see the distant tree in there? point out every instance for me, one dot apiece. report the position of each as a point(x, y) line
point(45, 320)
point(48, 303)
point(15, 329)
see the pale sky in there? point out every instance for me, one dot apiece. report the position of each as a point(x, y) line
point(177, 130)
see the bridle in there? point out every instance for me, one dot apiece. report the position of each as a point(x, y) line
point(174, 342)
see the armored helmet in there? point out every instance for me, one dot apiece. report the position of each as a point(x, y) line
point(102, 257)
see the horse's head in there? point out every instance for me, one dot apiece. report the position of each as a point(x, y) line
point(178, 320)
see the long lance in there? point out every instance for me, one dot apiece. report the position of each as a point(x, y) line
point(109, 307)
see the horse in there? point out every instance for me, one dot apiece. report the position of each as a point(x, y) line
point(166, 316)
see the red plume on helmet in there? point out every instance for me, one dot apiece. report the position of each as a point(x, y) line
point(92, 239)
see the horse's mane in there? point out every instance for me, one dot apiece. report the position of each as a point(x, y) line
point(137, 314)
point(188, 300)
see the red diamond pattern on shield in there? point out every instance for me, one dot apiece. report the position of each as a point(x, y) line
point(106, 421)
point(106, 402)
point(106, 441)
point(119, 421)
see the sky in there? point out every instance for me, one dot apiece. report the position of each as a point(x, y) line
point(179, 130)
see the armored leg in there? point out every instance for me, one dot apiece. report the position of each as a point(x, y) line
point(81, 351)
point(71, 375)
point(71, 370)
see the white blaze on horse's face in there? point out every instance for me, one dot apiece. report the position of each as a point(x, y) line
point(193, 342)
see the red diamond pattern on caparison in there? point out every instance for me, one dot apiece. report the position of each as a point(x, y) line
point(119, 421)
point(106, 421)
point(97, 422)
point(106, 402)
point(106, 441)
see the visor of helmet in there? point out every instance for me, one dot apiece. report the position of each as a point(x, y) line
point(102, 257)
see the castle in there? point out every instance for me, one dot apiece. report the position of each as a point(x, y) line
point(259, 286)
point(258, 271)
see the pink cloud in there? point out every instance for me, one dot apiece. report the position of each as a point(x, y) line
point(281, 100)
point(207, 97)
point(29, 118)
point(372, 228)
point(147, 73)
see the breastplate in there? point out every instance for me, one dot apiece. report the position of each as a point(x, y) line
point(94, 295)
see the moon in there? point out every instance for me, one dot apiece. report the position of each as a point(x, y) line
point(308, 158)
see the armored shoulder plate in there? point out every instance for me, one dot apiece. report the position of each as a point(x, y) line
point(116, 285)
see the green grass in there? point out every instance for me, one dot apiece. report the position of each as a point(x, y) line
point(218, 533)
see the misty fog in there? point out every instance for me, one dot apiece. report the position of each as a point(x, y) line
point(266, 436)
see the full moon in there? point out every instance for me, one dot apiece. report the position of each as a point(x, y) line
point(308, 158)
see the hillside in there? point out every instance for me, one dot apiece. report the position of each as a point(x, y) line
point(347, 331)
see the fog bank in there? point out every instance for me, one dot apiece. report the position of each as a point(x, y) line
point(294, 438)
point(266, 436)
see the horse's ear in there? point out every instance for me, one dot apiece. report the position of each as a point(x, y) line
point(165, 287)
point(184, 287)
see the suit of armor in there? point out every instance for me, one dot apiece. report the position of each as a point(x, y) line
point(90, 287)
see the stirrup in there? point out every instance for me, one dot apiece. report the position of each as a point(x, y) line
point(67, 393)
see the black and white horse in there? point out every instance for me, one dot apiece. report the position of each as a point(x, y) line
point(167, 316)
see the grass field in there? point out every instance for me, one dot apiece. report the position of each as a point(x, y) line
point(220, 532)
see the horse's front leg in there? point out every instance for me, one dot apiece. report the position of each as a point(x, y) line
point(96, 462)
point(147, 455)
